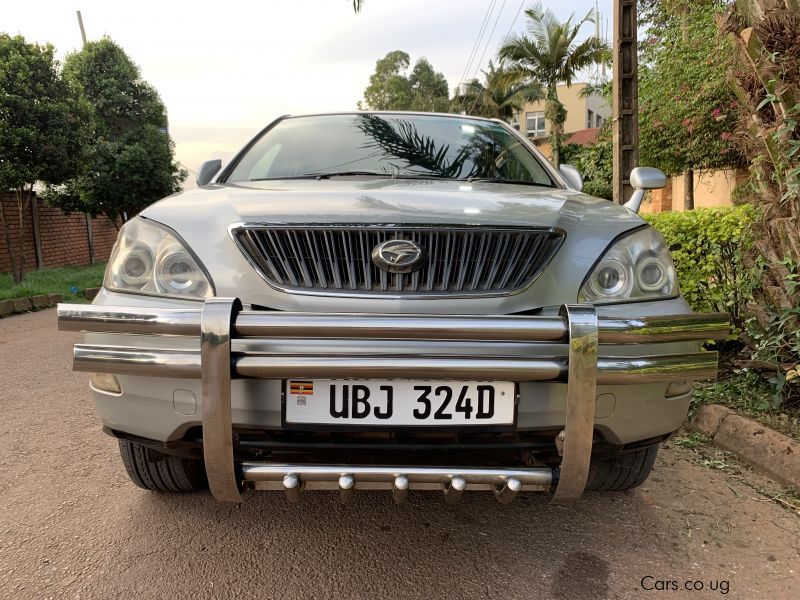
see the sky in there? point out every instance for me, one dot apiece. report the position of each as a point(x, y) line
point(226, 69)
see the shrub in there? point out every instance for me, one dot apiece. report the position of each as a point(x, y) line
point(709, 247)
point(594, 163)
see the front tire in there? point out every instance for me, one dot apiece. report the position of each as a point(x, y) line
point(623, 472)
point(157, 472)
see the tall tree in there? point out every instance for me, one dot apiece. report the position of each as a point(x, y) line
point(391, 87)
point(687, 111)
point(549, 53)
point(429, 89)
point(131, 162)
point(44, 128)
point(765, 74)
point(496, 97)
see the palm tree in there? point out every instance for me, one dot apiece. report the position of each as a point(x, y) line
point(549, 53)
point(497, 97)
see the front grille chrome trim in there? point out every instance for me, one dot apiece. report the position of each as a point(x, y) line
point(348, 275)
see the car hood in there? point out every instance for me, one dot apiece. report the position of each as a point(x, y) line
point(204, 216)
point(389, 201)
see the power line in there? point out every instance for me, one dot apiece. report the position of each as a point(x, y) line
point(485, 47)
point(514, 22)
point(477, 43)
point(508, 33)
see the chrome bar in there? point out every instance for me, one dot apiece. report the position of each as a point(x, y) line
point(657, 369)
point(186, 321)
point(185, 364)
point(675, 328)
point(129, 319)
point(399, 367)
point(314, 476)
point(215, 350)
point(120, 360)
point(581, 394)
point(373, 326)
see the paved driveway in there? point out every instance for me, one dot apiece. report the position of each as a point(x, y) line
point(71, 525)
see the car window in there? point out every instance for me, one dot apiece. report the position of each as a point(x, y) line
point(400, 145)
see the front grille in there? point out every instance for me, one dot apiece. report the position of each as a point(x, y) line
point(338, 259)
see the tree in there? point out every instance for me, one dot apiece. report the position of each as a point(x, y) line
point(687, 111)
point(550, 54)
point(44, 128)
point(594, 161)
point(496, 97)
point(765, 76)
point(131, 161)
point(391, 88)
point(429, 89)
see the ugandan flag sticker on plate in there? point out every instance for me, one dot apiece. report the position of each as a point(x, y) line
point(301, 388)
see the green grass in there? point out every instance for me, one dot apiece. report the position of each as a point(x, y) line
point(749, 394)
point(691, 440)
point(53, 281)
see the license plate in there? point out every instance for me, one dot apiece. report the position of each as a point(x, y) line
point(399, 403)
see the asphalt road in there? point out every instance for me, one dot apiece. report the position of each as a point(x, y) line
point(73, 526)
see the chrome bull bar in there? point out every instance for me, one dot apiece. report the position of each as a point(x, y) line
point(221, 321)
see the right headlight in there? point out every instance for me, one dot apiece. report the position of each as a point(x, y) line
point(151, 259)
point(637, 267)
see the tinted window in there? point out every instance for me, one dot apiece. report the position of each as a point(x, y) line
point(400, 145)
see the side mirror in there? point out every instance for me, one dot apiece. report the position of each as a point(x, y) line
point(643, 179)
point(573, 177)
point(207, 171)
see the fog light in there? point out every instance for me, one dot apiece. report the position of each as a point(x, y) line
point(679, 388)
point(104, 382)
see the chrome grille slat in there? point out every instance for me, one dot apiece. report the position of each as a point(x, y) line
point(480, 263)
point(313, 242)
point(448, 260)
point(261, 256)
point(283, 258)
point(510, 261)
point(499, 251)
point(462, 260)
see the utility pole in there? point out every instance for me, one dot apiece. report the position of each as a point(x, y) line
point(625, 98)
point(598, 33)
point(89, 229)
point(80, 24)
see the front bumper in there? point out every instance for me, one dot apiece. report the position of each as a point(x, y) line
point(232, 346)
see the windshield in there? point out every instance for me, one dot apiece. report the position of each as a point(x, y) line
point(379, 145)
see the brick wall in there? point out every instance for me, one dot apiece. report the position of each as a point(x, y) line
point(63, 238)
point(662, 199)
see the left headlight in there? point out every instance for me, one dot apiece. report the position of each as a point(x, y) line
point(637, 267)
point(151, 259)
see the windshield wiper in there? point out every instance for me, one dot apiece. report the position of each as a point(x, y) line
point(324, 175)
point(509, 181)
point(350, 174)
point(354, 174)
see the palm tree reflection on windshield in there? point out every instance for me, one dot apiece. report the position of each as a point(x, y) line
point(422, 155)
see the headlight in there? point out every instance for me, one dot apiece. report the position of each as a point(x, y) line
point(150, 259)
point(636, 267)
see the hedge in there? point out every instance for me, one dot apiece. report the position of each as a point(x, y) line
point(708, 246)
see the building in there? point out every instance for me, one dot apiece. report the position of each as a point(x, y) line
point(583, 113)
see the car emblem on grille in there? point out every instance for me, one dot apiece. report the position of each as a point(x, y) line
point(399, 256)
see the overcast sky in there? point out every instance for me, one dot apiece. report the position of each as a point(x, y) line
point(225, 69)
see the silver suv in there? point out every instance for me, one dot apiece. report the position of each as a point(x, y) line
point(391, 301)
